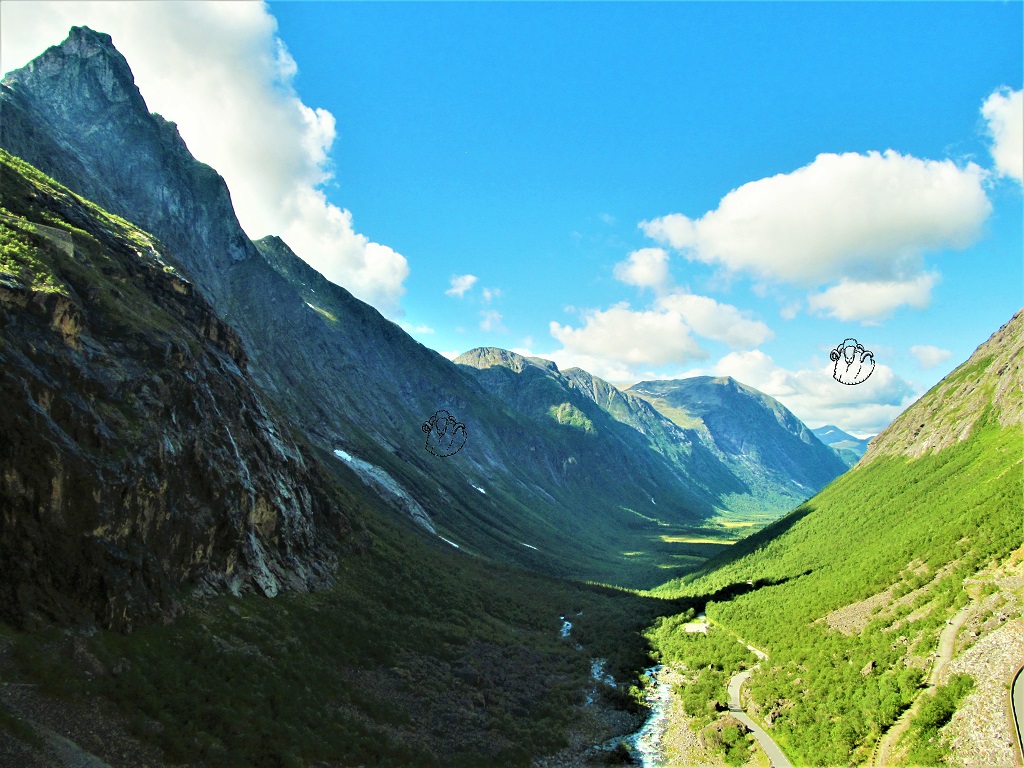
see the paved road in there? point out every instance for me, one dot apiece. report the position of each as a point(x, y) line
point(1018, 709)
point(770, 747)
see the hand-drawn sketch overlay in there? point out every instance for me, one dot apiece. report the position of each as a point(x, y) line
point(853, 363)
point(445, 434)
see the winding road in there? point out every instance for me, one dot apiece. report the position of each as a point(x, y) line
point(1017, 702)
point(947, 641)
point(767, 744)
point(770, 748)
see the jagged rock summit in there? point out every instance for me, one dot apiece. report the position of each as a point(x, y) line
point(76, 114)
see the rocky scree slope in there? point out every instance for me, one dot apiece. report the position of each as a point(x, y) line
point(138, 457)
point(986, 386)
point(776, 459)
point(346, 376)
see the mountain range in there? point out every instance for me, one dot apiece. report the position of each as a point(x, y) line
point(351, 382)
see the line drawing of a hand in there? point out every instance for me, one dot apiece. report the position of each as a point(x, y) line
point(853, 363)
point(446, 435)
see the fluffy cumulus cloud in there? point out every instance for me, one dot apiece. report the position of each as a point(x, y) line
point(928, 356)
point(645, 268)
point(1004, 113)
point(872, 301)
point(841, 215)
point(862, 221)
point(460, 284)
point(677, 308)
point(712, 320)
point(818, 399)
point(220, 71)
point(622, 335)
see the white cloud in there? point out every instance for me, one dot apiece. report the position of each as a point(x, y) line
point(928, 356)
point(489, 294)
point(862, 217)
point(790, 311)
point(220, 71)
point(818, 399)
point(1004, 112)
point(623, 335)
point(719, 322)
point(872, 301)
point(491, 320)
point(619, 341)
point(451, 354)
point(646, 268)
point(410, 328)
point(460, 284)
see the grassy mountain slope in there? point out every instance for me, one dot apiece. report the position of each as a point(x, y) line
point(905, 528)
point(775, 458)
point(537, 389)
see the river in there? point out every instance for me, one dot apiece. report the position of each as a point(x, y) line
point(645, 744)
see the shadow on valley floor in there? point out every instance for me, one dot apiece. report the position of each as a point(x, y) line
point(755, 541)
point(732, 591)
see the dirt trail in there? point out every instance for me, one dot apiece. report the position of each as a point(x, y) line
point(947, 643)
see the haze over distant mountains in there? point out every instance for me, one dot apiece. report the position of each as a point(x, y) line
point(848, 447)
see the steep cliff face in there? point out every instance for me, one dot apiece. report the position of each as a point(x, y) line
point(138, 458)
point(75, 113)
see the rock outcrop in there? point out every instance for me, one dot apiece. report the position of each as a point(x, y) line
point(138, 457)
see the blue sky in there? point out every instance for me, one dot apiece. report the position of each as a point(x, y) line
point(645, 190)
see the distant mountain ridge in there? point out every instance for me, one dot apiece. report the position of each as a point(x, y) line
point(774, 455)
point(787, 464)
point(848, 447)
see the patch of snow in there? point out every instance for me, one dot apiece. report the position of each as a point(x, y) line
point(479, 489)
point(566, 628)
point(387, 486)
point(653, 501)
point(530, 546)
point(442, 538)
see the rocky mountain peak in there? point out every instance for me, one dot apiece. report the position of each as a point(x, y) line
point(487, 357)
point(76, 114)
point(86, 67)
